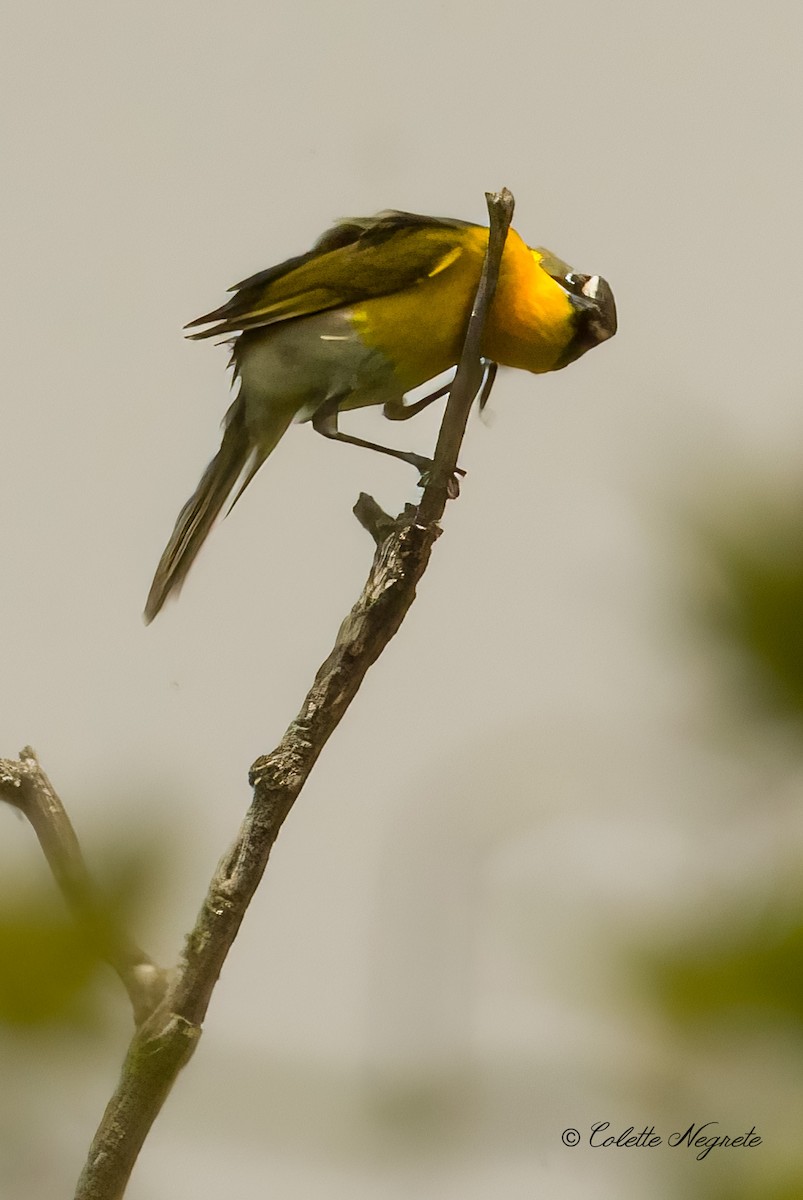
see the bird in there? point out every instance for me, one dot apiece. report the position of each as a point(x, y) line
point(377, 307)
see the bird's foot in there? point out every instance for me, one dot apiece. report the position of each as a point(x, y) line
point(426, 467)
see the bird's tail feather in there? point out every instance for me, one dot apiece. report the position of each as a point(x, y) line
point(199, 513)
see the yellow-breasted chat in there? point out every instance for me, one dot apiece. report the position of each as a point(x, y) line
point(379, 306)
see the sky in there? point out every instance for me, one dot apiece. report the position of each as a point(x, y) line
point(524, 770)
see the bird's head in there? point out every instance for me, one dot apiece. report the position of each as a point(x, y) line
point(591, 298)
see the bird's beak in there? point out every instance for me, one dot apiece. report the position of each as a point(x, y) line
point(599, 291)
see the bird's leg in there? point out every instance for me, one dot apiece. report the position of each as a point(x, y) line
point(402, 412)
point(325, 422)
point(487, 383)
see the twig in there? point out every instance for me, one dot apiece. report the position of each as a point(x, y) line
point(469, 371)
point(25, 785)
point(165, 1042)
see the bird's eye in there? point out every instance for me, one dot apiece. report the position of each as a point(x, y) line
point(575, 283)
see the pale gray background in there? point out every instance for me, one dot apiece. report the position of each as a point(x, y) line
point(523, 774)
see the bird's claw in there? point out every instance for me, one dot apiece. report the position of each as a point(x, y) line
point(426, 474)
point(453, 484)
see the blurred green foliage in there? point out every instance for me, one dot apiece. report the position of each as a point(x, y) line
point(736, 964)
point(757, 609)
point(731, 980)
point(784, 1189)
point(50, 956)
point(47, 963)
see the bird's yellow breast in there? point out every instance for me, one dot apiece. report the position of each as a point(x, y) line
point(420, 329)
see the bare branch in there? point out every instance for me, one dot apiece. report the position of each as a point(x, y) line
point(25, 785)
point(378, 523)
point(468, 379)
point(166, 1041)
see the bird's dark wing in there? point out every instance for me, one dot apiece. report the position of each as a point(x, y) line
point(356, 259)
